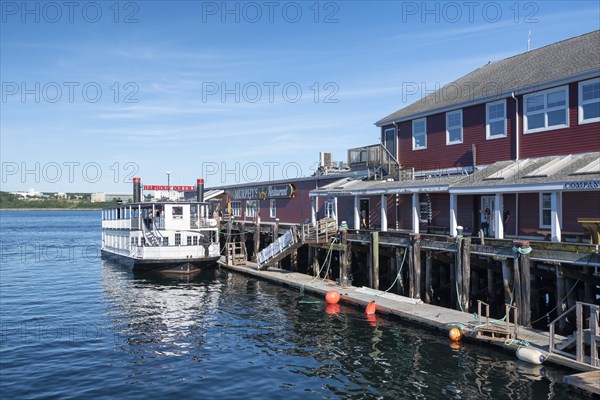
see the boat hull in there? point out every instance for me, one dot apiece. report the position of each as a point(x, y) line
point(171, 266)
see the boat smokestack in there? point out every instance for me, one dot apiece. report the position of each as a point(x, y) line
point(137, 190)
point(200, 190)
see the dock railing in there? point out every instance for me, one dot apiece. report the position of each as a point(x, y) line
point(320, 232)
point(587, 333)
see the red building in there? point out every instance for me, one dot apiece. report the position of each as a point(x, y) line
point(520, 137)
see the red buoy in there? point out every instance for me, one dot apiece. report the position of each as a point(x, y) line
point(372, 318)
point(332, 297)
point(371, 308)
point(332, 308)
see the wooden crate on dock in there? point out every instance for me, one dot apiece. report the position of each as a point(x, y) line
point(497, 329)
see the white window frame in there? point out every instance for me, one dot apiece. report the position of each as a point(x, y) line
point(273, 208)
point(415, 121)
point(582, 102)
point(488, 135)
point(545, 110)
point(236, 208)
point(448, 115)
point(252, 208)
point(542, 225)
point(385, 144)
point(424, 211)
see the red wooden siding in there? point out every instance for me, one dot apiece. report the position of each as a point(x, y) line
point(464, 213)
point(529, 214)
point(510, 205)
point(574, 139)
point(579, 205)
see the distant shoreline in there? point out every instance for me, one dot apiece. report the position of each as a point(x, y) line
point(50, 209)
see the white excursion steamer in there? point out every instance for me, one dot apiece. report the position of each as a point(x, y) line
point(164, 236)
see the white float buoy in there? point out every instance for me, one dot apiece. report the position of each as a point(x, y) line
point(530, 355)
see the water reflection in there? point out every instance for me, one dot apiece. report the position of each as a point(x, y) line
point(247, 336)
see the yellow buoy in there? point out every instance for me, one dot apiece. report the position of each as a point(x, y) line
point(455, 334)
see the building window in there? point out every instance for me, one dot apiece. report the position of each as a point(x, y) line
point(195, 240)
point(419, 134)
point(424, 211)
point(236, 208)
point(177, 212)
point(546, 110)
point(495, 117)
point(454, 130)
point(251, 208)
point(178, 239)
point(330, 208)
point(545, 210)
point(589, 101)
point(189, 240)
point(273, 208)
point(389, 136)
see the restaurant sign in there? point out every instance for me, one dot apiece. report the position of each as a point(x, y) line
point(590, 185)
point(264, 192)
point(169, 188)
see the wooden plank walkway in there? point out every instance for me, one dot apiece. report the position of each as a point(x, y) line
point(587, 381)
point(406, 308)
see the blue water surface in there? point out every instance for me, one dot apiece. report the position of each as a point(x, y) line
point(75, 326)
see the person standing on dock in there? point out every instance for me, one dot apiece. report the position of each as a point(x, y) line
point(485, 221)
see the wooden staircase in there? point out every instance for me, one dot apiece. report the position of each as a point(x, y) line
point(320, 232)
point(583, 345)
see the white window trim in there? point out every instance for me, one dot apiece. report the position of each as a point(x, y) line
point(250, 211)
point(236, 211)
point(545, 110)
point(273, 208)
point(580, 104)
point(487, 120)
point(448, 114)
point(395, 152)
point(413, 134)
point(541, 217)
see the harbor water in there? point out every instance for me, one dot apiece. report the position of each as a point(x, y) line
point(75, 326)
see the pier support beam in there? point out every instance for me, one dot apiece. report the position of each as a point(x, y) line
point(490, 286)
point(507, 280)
point(400, 258)
point(522, 279)
point(466, 272)
point(561, 296)
point(275, 236)
point(374, 261)
point(428, 277)
point(256, 240)
point(415, 213)
point(414, 263)
point(344, 258)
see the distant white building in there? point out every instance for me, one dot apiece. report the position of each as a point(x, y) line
point(106, 196)
point(29, 193)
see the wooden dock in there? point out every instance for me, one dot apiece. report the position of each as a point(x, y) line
point(586, 381)
point(413, 310)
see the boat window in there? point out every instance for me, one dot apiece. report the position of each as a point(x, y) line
point(195, 240)
point(178, 239)
point(189, 240)
point(177, 212)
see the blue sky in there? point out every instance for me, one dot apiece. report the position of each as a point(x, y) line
point(240, 91)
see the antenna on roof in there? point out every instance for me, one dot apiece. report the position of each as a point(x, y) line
point(528, 40)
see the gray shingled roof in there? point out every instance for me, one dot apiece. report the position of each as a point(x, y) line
point(502, 176)
point(519, 74)
point(351, 187)
point(534, 171)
